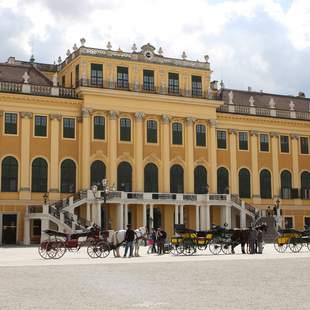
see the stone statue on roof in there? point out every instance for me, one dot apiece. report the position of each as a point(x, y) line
point(251, 101)
point(292, 105)
point(230, 97)
point(26, 77)
point(272, 104)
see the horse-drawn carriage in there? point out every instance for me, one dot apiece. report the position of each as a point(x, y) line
point(58, 243)
point(292, 239)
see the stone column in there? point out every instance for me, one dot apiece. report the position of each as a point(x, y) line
point(44, 226)
point(197, 217)
point(112, 148)
point(98, 208)
point(55, 119)
point(254, 164)
point(176, 214)
point(144, 216)
point(242, 219)
point(86, 132)
point(212, 156)
point(26, 230)
point(181, 214)
point(228, 215)
point(139, 152)
point(94, 213)
point(189, 155)
point(295, 161)
point(151, 216)
point(208, 220)
point(233, 160)
point(25, 155)
point(125, 215)
point(275, 164)
point(88, 218)
point(165, 153)
point(120, 215)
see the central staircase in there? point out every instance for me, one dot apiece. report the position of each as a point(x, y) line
point(271, 232)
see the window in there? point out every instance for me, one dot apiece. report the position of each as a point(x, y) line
point(125, 130)
point(286, 184)
point(176, 179)
point(69, 128)
point(9, 176)
point(288, 222)
point(304, 145)
point(284, 142)
point(124, 177)
point(177, 133)
point(39, 176)
point(77, 75)
point(173, 83)
point(222, 181)
point(307, 222)
point(221, 139)
point(243, 141)
point(148, 80)
point(264, 142)
point(97, 173)
point(200, 135)
point(63, 81)
point(96, 75)
point(10, 123)
point(151, 131)
point(305, 185)
point(244, 183)
point(36, 227)
point(40, 126)
point(99, 127)
point(200, 180)
point(151, 178)
point(67, 176)
point(122, 77)
point(196, 86)
point(265, 184)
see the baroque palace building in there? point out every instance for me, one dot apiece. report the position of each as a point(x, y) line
point(174, 148)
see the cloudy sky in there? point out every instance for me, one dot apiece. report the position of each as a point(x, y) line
point(264, 44)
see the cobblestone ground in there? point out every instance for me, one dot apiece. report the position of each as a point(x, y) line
point(268, 281)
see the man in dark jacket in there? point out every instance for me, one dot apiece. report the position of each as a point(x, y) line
point(129, 239)
point(161, 238)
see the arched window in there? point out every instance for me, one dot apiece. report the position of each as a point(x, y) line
point(222, 181)
point(265, 184)
point(176, 179)
point(39, 176)
point(200, 180)
point(68, 176)
point(244, 183)
point(9, 177)
point(305, 185)
point(124, 177)
point(97, 173)
point(151, 178)
point(286, 184)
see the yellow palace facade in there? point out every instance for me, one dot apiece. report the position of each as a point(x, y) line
point(173, 147)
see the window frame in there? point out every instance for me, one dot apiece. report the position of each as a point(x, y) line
point(122, 83)
point(305, 220)
point(41, 178)
point(34, 126)
point(289, 216)
point(150, 88)
point(260, 148)
point(18, 174)
point(247, 141)
point(300, 145)
point(17, 124)
point(194, 90)
point(288, 143)
point(119, 129)
point(96, 78)
point(146, 131)
point(205, 133)
point(104, 128)
point(226, 141)
point(172, 88)
point(182, 133)
point(62, 128)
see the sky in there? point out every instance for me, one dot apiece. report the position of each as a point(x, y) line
point(264, 44)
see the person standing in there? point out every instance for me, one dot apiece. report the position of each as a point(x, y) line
point(129, 239)
point(161, 238)
point(252, 240)
point(260, 242)
point(153, 238)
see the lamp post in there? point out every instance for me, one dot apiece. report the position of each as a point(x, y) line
point(277, 215)
point(45, 197)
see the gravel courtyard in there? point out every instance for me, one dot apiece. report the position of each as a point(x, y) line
point(268, 281)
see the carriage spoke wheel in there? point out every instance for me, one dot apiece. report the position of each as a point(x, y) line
point(295, 246)
point(189, 250)
point(45, 250)
point(60, 248)
point(174, 250)
point(280, 247)
point(93, 250)
point(180, 249)
point(103, 249)
point(226, 248)
point(215, 247)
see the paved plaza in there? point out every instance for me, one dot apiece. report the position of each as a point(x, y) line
point(202, 281)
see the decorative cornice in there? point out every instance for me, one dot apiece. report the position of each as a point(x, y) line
point(139, 116)
point(166, 119)
point(254, 133)
point(212, 122)
point(26, 115)
point(232, 131)
point(294, 136)
point(55, 117)
point(190, 120)
point(113, 115)
point(274, 134)
point(86, 112)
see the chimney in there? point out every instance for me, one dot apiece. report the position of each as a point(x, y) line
point(301, 94)
point(249, 88)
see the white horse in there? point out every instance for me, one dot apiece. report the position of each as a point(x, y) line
point(118, 238)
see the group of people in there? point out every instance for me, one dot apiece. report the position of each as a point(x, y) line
point(158, 239)
point(255, 240)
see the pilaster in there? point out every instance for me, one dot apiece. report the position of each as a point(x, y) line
point(212, 156)
point(254, 164)
point(165, 150)
point(139, 151)
point(112, 147)
point(233, 160)
point(295, 161)
point(275, 163)
point(189, 156)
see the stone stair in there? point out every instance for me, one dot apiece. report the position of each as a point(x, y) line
point(271, 232)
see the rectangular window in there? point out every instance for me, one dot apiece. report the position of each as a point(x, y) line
point(264, 142)
point(77, 75)
point(122, 77)
point(284, 142)
point(243, 141)
point(63, 81)
point(173, 83)
point(10, 126)
point(40, 126)
point(288, 222)
point(304, 145)
point(177, 133)
point(125, 130)
point(69, 128)
point(196, 86)
point(99, 128)
point(36, 227)
point(151, 131)
point(96, 75)
point(148, 80)
point(200, 135)
point(221, 139)
point(307, 221)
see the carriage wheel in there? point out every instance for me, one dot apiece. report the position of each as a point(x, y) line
point(104, 249)
point(226, 248)
point(60, 248)
point(189, 249)
point(174, 250)
point(215, 247)
point(93, 251)
point(44, 250)
point(294, 246)
point(180, 249)
point(279, 247)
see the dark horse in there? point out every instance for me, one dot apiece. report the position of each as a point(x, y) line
point(242, 237)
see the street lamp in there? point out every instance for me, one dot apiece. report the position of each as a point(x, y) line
point(45, 197)
point(105, 189)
